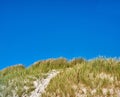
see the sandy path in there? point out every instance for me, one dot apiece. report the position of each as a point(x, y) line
point(42, 84)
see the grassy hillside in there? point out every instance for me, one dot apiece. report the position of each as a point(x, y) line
point(99, 77)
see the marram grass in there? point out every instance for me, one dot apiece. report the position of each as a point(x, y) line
point(77, 78)
point(95, 78)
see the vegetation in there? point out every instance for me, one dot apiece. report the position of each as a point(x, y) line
point(77, 78)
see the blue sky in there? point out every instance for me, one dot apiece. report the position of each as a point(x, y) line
point(32, 30)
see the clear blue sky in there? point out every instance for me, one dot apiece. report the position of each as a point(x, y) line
point(32, 30)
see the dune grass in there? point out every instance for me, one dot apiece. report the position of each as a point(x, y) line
point(77, 78)
point(95, 78)
point(20, 79)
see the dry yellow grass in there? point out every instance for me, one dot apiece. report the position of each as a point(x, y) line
point(77, 78)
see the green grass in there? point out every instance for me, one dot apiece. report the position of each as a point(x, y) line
point(76, 77)
point(19, 76)
point(86, 76)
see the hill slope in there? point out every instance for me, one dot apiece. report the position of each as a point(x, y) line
point(99, 77)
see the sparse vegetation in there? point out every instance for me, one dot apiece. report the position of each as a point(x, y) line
point(77, 78)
